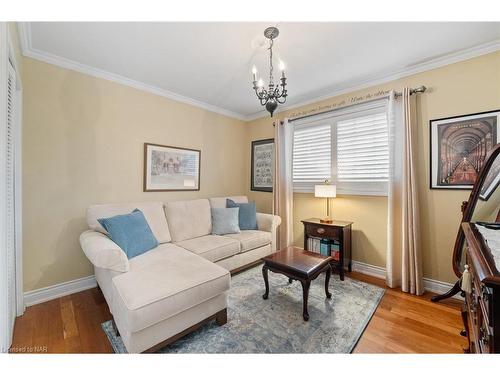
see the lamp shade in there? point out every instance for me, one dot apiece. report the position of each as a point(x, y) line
point(325, 191)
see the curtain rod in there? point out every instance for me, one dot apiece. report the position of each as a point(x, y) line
point(416, 90)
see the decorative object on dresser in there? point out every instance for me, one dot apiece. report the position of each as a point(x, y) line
point(262, 165)
point(326, 191)
point(298, 264)
point(169, 168)
point(459, 146)
point(336, 236)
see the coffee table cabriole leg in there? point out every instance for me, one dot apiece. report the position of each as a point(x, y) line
point(327, 281)
point(266, 282)
point(305, 289)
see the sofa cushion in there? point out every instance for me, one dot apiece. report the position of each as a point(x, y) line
point(188, 219)
point(131, 232)
point(153, 212)
point(225, 220)
point(212, 248)
point(247, 216)
point(220, 202)
point(162, 283)
point(251, 239)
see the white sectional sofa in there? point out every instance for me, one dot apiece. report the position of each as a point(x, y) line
point(167, 292)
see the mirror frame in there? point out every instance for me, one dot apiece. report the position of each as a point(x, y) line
point(469, 206)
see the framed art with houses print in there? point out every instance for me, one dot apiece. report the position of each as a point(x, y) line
point(262, 165)
point(168, 168)
point(458, 148)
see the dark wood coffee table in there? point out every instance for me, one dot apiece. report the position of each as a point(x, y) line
point(298, 264)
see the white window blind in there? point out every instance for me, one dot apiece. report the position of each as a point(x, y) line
point(349, 147)
point(363, 149)
point(312, 155)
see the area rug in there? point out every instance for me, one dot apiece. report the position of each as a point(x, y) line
point(275, 325)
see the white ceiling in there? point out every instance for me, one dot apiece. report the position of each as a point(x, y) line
point(209, 64)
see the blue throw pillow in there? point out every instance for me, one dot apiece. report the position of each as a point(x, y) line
point(225, 220)
point(131, 232)
point(247, 218)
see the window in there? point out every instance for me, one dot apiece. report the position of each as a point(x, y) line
point(349, 147)
point(312, 155)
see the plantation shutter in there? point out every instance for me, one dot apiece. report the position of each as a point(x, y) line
point(363, 149)
point(312, 155)
point(9, 203)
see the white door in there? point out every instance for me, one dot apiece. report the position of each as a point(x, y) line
point(7, 210)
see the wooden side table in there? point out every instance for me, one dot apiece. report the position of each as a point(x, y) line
point(339, 231)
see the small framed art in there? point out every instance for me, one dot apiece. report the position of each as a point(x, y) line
point(168, 168)
point(262, 165)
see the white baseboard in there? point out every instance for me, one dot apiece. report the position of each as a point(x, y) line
point(59, 290)
point(368, 269)
point(430, 285)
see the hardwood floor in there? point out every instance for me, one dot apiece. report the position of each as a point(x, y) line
point(401, 324)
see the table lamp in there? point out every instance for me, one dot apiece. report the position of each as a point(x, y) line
point(326, 191)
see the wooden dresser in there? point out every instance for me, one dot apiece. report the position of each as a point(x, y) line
point(481, 310)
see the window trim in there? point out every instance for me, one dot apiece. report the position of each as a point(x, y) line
point(375, 188)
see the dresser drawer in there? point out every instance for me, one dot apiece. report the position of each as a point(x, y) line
point(322, 231)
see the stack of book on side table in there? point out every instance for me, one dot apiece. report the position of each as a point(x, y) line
point(324, 247)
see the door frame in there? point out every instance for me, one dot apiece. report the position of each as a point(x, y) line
point(7, 53)
point(18, 191)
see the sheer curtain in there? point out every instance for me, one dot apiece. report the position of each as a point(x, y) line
point(282, 182)
point(404, 261)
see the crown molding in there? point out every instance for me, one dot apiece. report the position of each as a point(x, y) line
point(24, 30)
point(388, 76)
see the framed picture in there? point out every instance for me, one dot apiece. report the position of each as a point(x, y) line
point(169, 168)
point(262, 165)
point(459, 146)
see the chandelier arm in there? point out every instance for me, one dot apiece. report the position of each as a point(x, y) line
point(260, 94)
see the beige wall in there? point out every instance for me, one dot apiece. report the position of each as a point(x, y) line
point(465, 87)
point(83, 143)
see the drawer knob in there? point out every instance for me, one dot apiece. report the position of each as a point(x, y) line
point(320, 230)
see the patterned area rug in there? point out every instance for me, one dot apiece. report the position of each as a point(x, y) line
point(275, 325)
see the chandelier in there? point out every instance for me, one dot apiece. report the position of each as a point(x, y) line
point(274, 94)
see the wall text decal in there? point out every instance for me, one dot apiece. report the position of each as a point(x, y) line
point(349, 101)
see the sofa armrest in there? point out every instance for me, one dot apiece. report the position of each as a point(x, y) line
point(269, 223)
point(102, 252)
